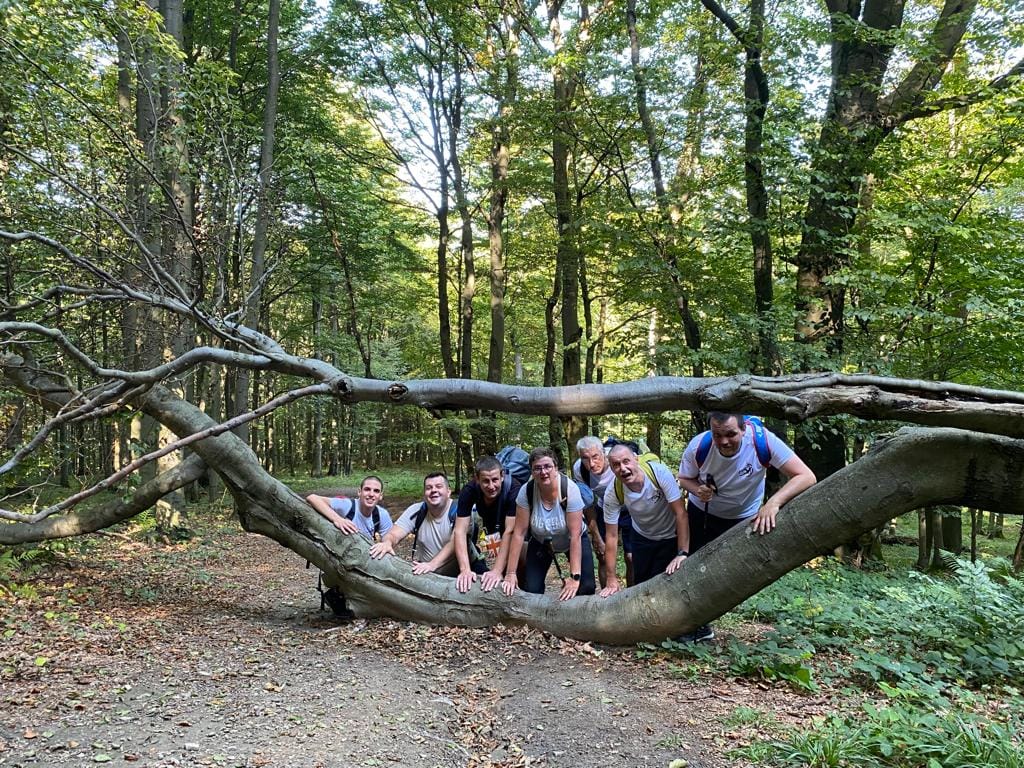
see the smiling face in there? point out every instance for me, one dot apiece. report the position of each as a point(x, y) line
point(594, 460)
point(727, 435)
point(371, 492)
point(436, 491)
point(490, 483)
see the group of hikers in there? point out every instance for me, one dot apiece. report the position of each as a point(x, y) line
point(504, 531)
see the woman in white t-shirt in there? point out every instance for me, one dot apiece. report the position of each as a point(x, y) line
point(550, 508)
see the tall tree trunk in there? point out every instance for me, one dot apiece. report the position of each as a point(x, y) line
point(665, 239)
point(254, 294)
point(567, 253)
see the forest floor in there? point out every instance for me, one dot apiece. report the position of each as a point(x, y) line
point(213, 652)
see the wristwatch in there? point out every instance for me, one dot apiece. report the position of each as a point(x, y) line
point(682, 553)
point(575, 576)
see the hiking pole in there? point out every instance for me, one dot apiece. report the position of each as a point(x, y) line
point(709, 481)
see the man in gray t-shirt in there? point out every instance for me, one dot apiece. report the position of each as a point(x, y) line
point(432, 522)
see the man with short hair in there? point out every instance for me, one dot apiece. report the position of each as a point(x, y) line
point(724, 469)
point(592, 469)
point(431, 522)
point(362, 515)
point(493, 499)
point(661, 533)
point(726, 484)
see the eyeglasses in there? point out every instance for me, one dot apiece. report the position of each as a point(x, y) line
point(542, 468)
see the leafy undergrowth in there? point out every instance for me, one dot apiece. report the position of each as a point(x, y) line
point(920, 670)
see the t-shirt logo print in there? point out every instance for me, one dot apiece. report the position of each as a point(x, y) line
point(747, 470)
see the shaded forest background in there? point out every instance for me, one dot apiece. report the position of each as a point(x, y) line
point(518, 192)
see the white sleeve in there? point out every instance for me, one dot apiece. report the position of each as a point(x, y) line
point(667, 483)
point(407, 522)
point(611, 505)
point(521, 496)
point(781, 453)
point(688, 464)
point(573, 498)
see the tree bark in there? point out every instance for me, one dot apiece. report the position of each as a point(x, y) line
point(913, 469)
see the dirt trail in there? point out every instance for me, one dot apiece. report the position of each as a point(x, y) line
point(214, 653)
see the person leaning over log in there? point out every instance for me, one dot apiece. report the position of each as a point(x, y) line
point(726, 479)
point(555, 522)
point(661, 531)
point(723, 470)
point(592, 469)
point(362, 515)
point(432, 522)
point(495, 505)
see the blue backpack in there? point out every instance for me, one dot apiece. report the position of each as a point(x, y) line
point(764, 453)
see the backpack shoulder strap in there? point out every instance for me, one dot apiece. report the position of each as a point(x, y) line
point(645, 465)
point(764, 452)
point(563, 492)
point(703, 448)
point(351, 506)
point(529, 495)
point(421, 515)
point(376, 519)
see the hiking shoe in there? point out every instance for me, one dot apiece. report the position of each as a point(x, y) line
point(699, 635)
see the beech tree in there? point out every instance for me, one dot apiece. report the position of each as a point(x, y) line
point(975, 458)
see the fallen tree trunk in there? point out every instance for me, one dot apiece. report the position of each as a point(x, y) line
point(913, 468)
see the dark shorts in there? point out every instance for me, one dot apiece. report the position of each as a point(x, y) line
point(538, 561)
point(705, 528)
point(651, 557)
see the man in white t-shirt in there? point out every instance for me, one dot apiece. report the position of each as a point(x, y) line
point(724, 472)
point(362, 515)
point(661, 533)
point(432, 522)
point(726, 481)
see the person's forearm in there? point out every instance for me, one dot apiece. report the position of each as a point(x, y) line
point(792, 488)
point(461, 547)
point(611, 549)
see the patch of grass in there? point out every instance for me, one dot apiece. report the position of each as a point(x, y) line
point(899, 736)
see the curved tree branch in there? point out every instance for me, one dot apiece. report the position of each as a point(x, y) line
point(75, 523)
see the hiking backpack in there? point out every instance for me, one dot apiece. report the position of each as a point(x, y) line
point(764, 452)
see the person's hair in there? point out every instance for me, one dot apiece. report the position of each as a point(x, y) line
point(543, 452)
point(588, 443)
point(487, 464)
point(432, 475)
point(371, 477)
point(723, 416)
point(621, 447)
